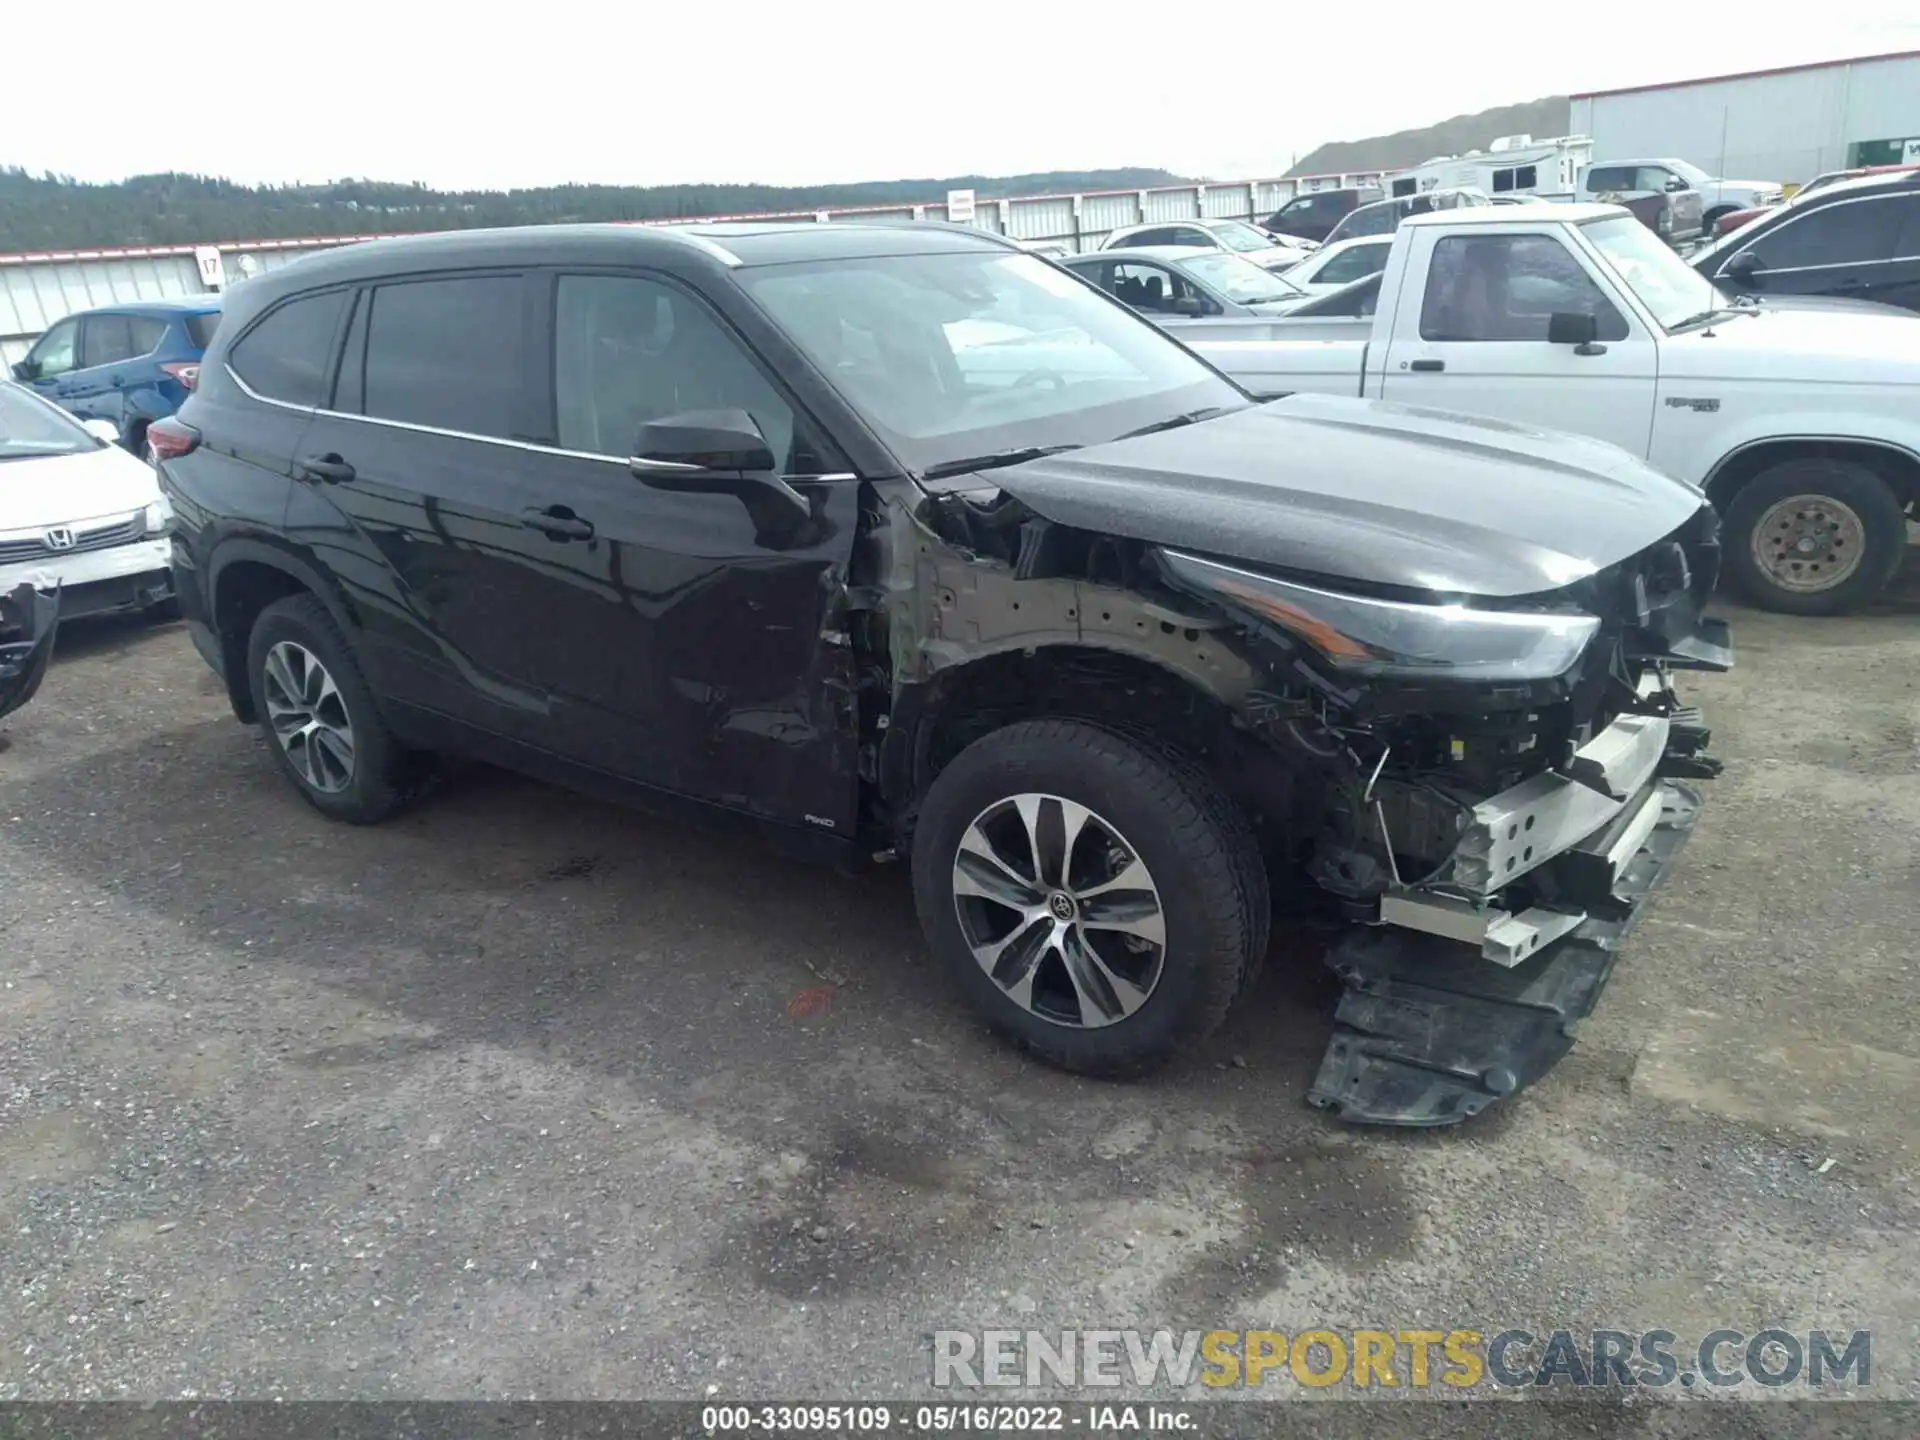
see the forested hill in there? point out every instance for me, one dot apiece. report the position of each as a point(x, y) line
point(52, 212)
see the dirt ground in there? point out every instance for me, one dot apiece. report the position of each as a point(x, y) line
point(520, 1095)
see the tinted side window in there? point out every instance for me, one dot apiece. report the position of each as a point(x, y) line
point(105, 340)
point(1850, 233)
point(1162, 236)
point(200, 328)
point(444, 353)
point(1350, 265)
point(1506, 287)
point(1906, 244)
point(287, 355)
point(1609, 177)
point(628, 350)
point(1371, 220)
point(147, 333)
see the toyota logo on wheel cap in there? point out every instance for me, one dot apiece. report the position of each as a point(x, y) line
point(60, 538)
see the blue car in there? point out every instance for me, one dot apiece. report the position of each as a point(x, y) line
point(127, 364)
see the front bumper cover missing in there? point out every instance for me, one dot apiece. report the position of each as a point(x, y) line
point(1428, 1033)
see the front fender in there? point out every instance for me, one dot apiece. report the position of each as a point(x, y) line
point(1698, 444)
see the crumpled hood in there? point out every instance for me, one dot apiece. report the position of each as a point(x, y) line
point(1370, 491)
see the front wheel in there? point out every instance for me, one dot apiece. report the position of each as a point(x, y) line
point(1815, 537)
point(1096, 901)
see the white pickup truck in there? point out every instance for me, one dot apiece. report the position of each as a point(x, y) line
point(1802, 423)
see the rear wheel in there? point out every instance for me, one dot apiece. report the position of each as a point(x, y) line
point(320, 718)
point(1096, 901)
point(1815, 537)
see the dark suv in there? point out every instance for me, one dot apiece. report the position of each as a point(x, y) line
point(906, 543)
point(1313, 215)
point(1853, 240)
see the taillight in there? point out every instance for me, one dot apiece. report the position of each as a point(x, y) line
point(170, 439)
point(187, 372)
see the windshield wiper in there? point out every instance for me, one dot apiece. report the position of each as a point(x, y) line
point(1192, 417)
point(1708, 316)
point(992, 462)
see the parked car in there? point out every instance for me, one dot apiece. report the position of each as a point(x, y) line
point(1335, 266)
point(1235, 236)
point(1168, 280)
point(1667, 176)
point(126, 364)
point(1384, 217)
point(1798, 422)
point(1660, 198)
point(1734, 219)
point(1312, 215)
point(78, 511)
point(722, 512)
point(1854, 240)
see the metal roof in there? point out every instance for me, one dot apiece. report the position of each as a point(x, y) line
point(1748, 74)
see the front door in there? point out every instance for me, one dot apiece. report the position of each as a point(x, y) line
point(730, 678)
point(1476, 340)
point(54, 357)
point(1862, 249)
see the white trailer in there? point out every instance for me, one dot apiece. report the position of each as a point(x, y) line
point(1511, 165)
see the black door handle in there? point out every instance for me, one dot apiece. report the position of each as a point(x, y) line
point(326, 469)
point(1427, 365)
point(558, 523)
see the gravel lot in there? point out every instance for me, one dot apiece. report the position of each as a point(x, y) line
point(522, 1095)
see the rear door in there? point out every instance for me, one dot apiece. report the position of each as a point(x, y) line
point(1474, 338)
point(414, 492)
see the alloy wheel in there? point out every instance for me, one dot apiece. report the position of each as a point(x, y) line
point(309, 717)
point(1059, 910)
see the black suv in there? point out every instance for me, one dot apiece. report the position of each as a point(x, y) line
point(1856, 240)
point(1313, 215)
point(905, 542)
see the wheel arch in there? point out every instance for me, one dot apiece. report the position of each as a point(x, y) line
point(1143, 696)
point(1895, 464)
point(245, 577)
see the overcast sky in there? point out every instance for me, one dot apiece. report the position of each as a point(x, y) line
point(497, 96)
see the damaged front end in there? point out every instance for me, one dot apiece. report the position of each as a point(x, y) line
point(28, 618)
point(1505, 785)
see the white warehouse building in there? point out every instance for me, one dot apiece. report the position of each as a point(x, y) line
point(1787, 125)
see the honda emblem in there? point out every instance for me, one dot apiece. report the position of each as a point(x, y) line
point(60, 538)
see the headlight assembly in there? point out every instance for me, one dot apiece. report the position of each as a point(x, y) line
point(1360, 635)
point(157, 515)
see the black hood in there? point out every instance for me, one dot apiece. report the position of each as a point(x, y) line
point(28, 619)
point(1364, 490)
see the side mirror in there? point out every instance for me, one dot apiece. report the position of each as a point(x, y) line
point(1190, 305)
point(721, 452)
point(26, 369)
point(1578, 330)
point(1743, 267)
point(1678, 182)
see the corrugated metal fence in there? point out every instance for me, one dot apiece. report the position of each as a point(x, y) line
point(38, 289)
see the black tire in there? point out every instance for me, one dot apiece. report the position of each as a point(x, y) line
point(1883, 525)
point(383, 773)
point(1196, 844)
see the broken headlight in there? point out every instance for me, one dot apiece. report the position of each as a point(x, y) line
point(1366, 636)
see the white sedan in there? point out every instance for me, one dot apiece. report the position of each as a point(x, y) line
point(77, 511)
point(1237, 237)
point(1341, 263)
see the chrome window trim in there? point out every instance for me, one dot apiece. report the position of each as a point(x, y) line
point(623, 461)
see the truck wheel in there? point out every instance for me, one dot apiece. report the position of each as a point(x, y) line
point(319, 715)
point(1095, 901)
point(1814, 537)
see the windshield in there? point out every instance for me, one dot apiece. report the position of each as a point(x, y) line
point(1240, 237)
point(1238, 279)
point(30, 426)
point(956, 356)
point(1669, 287)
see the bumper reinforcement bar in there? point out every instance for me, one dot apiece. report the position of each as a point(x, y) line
point(1428, 1033)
